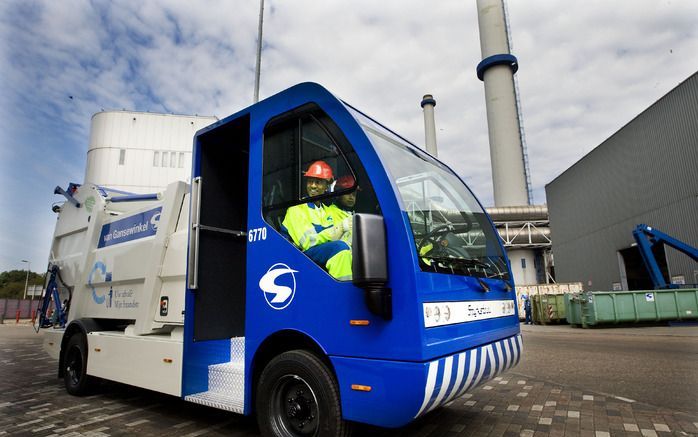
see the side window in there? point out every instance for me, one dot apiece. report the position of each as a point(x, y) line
point(318, 146)
point(281, 165)
point(313, 183)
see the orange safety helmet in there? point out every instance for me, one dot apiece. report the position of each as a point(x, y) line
point(319, 170)
point(346, 181)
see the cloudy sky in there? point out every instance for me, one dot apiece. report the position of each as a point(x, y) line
point(586, 69)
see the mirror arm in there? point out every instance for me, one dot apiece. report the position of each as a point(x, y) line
point(379, 300)
point(370, 263)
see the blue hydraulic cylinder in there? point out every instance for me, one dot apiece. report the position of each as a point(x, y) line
point(52, 292)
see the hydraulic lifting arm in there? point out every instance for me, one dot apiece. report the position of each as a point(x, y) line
point(647, 237)
point(50, 293)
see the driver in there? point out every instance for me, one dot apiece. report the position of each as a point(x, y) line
point(313, 229)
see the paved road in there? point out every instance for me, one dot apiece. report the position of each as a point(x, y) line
point(547, 402)
point(655, 365)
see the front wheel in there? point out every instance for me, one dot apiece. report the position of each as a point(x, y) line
point(77, 381)
point(298, 396)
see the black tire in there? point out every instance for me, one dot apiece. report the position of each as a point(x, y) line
point(77, 381)
point(297, 396)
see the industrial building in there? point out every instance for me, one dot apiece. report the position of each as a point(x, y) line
point(647, 172)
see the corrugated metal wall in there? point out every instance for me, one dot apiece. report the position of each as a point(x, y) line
point(647, 172)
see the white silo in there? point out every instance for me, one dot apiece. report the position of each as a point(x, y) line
point(141, 152)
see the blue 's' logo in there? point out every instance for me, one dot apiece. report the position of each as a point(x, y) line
point(279, 286)
point(155, 221)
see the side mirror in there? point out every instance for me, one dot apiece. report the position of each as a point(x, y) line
point(370, 263)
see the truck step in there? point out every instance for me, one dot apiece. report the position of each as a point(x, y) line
point(226, 378)
point(237, 349)
point(234, 403)
point(226, 382)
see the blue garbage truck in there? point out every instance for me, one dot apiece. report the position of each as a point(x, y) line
point(317, 270)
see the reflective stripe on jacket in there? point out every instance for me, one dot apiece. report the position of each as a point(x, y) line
point(306, 225)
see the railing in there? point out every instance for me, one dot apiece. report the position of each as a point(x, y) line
point(525, 234)
point(15, 309)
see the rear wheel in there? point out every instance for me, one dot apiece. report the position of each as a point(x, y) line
point(77, 381)
point(297, 396)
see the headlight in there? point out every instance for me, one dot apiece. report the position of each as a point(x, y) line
point(435, 314)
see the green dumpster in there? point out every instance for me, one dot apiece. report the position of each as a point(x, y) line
point(573, 307)
point(613, 307)
point(548, 308)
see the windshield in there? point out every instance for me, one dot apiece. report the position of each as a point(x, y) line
point(452, 234)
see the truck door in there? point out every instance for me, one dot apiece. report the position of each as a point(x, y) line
point(218, 237)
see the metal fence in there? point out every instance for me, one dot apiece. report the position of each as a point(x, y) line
point(17, 309)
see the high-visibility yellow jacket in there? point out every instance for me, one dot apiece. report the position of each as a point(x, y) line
point(338, 215)
point(309, 225)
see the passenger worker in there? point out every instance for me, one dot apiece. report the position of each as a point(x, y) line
point(343, 208)
point(312, 227)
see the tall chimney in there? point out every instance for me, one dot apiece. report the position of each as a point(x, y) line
point(428, 104)
point(497, 72)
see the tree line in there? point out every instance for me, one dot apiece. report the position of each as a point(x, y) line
point(12, 283)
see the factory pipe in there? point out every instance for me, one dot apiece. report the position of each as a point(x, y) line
point(519, 213)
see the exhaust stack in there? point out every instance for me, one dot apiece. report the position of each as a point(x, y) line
point(428, 104)
point(497, 70)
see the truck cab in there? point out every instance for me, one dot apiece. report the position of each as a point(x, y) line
point(426, 313)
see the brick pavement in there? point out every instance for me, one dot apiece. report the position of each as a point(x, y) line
point(33, 402)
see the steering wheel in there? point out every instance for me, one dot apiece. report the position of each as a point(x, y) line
point(434, 235)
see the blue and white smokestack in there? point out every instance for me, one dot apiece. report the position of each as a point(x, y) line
point(497, 72)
